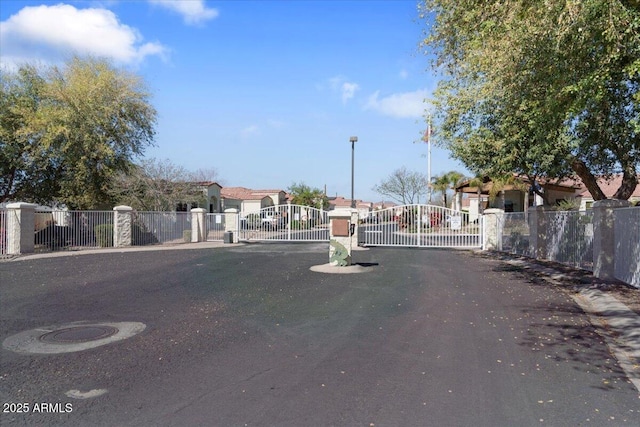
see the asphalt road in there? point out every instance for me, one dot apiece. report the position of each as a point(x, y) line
point(247, 335)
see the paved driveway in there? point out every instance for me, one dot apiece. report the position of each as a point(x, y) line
point(248, 335)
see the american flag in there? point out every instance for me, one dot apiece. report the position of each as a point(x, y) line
point(427, 133)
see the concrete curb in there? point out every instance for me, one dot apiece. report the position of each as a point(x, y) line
point(184, 246)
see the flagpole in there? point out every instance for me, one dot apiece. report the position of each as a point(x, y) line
point(429, 158)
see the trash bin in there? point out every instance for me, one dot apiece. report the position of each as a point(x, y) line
point(228, 237)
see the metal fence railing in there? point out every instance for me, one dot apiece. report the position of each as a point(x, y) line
point(569, 238)
point(149, 228)
point(57, 229)
point(284, 223)
point(3, 232)
point(565, 237)
point(418, 225)
point(215, 226)
point(515, 233)
point(626, 223)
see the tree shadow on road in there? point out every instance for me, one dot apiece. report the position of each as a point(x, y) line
point(562, 331)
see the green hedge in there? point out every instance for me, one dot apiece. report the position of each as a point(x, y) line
point(104, 235)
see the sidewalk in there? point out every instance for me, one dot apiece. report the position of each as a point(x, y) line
point(148, 248)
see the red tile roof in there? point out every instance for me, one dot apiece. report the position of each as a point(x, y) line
point(242, 193)
point(609, 187)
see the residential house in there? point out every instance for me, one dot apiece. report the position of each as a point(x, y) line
point(609, 187)
point(516, 197)
point(211, 191)
point(339, 202)
point(251, 201)
point(520, 196)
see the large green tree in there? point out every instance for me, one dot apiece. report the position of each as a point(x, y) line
point(545, 89)
point(67, 131)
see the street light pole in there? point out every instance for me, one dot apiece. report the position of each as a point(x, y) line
point(353, 140)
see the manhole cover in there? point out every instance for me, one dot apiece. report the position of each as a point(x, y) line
point(79, 334)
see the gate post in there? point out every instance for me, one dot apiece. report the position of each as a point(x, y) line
point(198, 228)
point(343, 232)
point(231, 223)
point(21, 224)
point(493, 220)
point(122, 226)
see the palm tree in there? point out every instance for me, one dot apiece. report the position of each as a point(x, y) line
point(499, 183)
point(446, 182)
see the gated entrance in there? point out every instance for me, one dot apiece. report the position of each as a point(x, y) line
point(284, 223)
point(421, 226)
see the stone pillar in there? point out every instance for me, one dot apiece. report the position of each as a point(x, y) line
point(21, 224)
point(492, 221)
point(343, 236)
point(198, 225)
point(122, 226)
point(538, 232)
point(604, 237)
point(231, 222)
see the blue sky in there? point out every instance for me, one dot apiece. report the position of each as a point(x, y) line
point(267, 93)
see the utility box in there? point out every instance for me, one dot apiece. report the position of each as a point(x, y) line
point(228, 237)
point(340, 227)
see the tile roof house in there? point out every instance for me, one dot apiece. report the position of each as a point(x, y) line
point(517, 199)
point(251, 201)
point(211, 191)
point(609, 188)
point(340, 202)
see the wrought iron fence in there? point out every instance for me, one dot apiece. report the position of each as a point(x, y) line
point(421, 226)
point(215, 224)
point(569, 238)
point(149, 228)
point(3, 232)
point(626, 223)
point(285, 223)
point(515, 233)
point(59, 229)
point(565, 237)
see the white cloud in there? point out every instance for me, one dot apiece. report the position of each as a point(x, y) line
point(49, 33)
point(346, 89)
point(402, 105)
point(194, 12)
point(250, 131)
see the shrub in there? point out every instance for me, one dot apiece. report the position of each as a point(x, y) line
point(104, 235)
point(186, 236)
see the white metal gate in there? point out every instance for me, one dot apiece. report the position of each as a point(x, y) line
point(216, 226)
point(284, 223)
point(421, 226)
